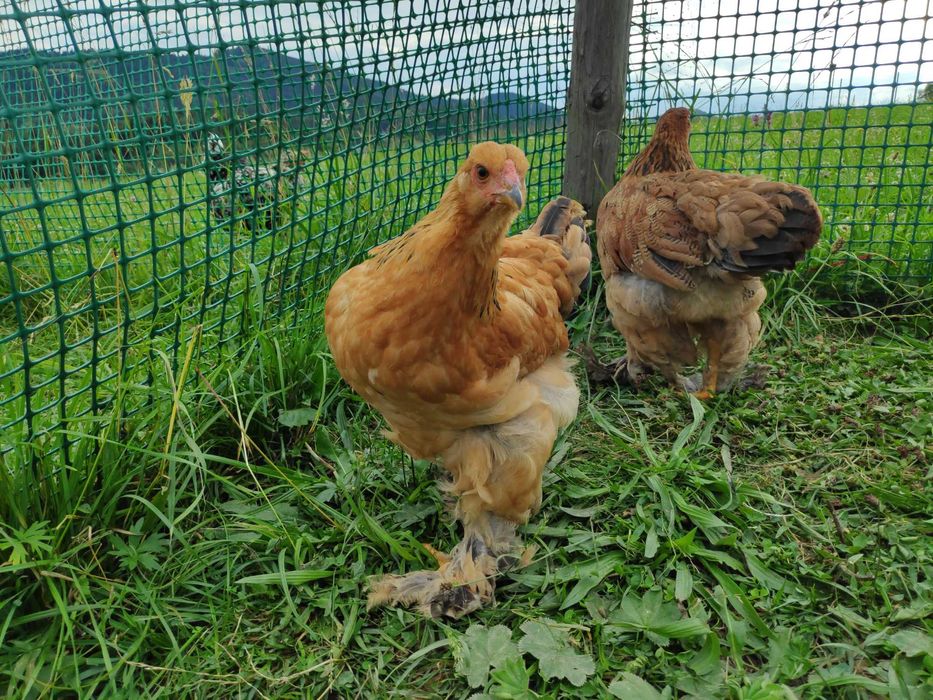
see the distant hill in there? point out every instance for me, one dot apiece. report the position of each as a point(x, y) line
point(132, 100)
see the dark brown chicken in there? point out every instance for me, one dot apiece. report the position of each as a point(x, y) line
point(682, 250)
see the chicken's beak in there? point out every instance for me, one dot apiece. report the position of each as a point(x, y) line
point(511, 182)
point(511, 195)
point(515, 195)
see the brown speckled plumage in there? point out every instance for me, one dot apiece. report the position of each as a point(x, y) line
point(682, 250)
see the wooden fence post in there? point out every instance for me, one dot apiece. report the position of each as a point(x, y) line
point(596, 98)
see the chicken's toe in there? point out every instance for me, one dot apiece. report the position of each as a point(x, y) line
point(435, 593)
point(441, 557)
point(411, 589)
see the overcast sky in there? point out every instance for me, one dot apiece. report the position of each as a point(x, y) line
point(840, 49)
point(832, 49)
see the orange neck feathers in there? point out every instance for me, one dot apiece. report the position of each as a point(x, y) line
point(457, 254)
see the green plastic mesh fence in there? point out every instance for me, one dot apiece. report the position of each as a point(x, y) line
point(178, 169)
point(175, 166)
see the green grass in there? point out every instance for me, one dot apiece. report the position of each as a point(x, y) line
point(216, 542)
point(227, 555)
point(119, 290)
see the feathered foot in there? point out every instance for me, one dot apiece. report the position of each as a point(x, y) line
point(691, 384)
point(464, 580)
point(702, 389)
point(621, 371)
point(755, 377)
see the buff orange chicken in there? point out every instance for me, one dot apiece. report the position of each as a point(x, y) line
point(455, 333)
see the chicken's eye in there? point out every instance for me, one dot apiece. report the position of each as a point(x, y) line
point(482, 173)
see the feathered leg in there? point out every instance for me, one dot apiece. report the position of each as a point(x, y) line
point(497, 476)
point(496, 473)
point(664, 348)
point(652, 339)
point(728, 344)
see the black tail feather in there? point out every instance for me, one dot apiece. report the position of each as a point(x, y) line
point(562, 221)
point(798, 233)
point(553, 211)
